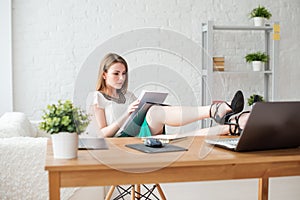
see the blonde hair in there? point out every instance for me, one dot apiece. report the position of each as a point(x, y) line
point(105, 64)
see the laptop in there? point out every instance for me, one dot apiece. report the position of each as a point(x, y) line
point(271, 125)
point(92, 144)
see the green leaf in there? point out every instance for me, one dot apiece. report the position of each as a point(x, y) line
point(255, 98)
point(64, 116)
point(257, 56)
point(260, 11)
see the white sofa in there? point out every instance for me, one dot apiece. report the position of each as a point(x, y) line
point(22, 159)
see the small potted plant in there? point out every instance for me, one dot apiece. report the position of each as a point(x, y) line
point(257, 59)
point(64, 122)
point(259, 15)
point(255, 98)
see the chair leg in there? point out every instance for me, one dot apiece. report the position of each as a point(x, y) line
point(160, 191)
point(138, 191)
point(132, 192)
point(110, 192)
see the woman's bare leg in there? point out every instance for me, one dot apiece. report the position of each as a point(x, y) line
point(158, 116)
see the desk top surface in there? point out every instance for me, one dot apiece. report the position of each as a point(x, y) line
point(199, 154)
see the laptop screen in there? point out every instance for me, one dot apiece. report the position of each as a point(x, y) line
point(271, 125)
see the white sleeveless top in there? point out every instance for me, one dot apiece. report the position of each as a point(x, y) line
point(112, 109)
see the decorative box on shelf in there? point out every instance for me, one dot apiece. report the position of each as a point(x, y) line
point(218, 63)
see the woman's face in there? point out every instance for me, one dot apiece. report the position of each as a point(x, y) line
point(115, 76)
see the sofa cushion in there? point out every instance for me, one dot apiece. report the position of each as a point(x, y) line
point(14, 124)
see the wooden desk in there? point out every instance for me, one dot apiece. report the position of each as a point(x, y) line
point(120, 165)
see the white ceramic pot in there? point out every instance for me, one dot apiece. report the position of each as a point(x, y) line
point(257, 65)
point(259, 21)
point(65, 145)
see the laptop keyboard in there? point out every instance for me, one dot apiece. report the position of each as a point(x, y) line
point(230, 143)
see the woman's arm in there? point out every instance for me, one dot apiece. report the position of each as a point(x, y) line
point(110, 130)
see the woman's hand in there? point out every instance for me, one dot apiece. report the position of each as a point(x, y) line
point(133, 106)
point(110, 130)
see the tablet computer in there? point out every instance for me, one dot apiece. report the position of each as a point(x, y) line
point(134, 121)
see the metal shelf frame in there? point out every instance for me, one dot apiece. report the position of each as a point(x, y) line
point(271, 48)
point(270, 70)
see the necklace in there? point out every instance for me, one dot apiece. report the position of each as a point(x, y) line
point(120, 100)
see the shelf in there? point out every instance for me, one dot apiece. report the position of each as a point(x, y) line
point(271, 47)
point(238, 28)
point(243, 72)
point(243, 28)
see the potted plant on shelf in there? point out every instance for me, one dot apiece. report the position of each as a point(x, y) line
point(257, 59)
point(64, 122)
point(255, 98)
point(259, 15)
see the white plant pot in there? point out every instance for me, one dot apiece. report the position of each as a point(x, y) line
point(257, 65)
point(65, 145)
point(259, 21)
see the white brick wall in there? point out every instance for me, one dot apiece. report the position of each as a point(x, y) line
point(6, 57)
point(52, 39)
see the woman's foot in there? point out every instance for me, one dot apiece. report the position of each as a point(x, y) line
point(221, 111)
point(218, 111)
point(238, 123)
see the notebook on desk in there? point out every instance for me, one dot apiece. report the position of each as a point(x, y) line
point(271, 125)
point(92, 144)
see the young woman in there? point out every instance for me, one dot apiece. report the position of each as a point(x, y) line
point(113, 104)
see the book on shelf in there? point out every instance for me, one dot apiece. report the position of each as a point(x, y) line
point(218, 63)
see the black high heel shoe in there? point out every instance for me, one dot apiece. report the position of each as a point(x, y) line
point(236, 106)
point(234, 127)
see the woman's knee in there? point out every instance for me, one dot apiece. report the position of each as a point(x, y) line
point(155, 112)
point(155, 119)
point(155, 115)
